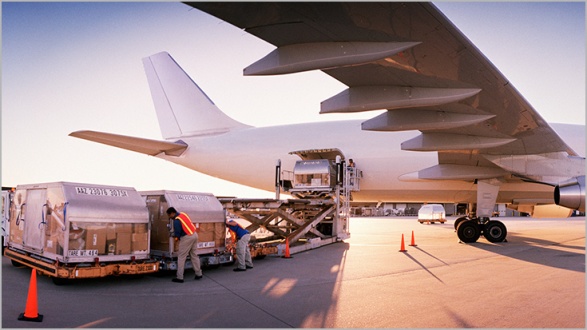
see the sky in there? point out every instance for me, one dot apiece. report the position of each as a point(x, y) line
point(71, 66)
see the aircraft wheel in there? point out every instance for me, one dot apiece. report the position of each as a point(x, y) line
point(459, 220)
point(495, 231)
point(468, 231)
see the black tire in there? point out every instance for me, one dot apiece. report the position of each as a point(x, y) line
point(495, 231)
point(16, 263)
point(468, 231)
point(459, 220)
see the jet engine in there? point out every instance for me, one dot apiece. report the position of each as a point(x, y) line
point(571, 194)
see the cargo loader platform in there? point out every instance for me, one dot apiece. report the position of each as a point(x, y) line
point(310, 221)
point(322, 184)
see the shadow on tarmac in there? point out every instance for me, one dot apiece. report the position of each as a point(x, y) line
point(424, 267)
point(538, 251)
point(314, 279)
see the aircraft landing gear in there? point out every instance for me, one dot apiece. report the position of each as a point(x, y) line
point(495, 231)
point(469, 230)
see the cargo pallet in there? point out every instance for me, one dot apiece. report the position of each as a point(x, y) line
point(206, 213)
point(63, 271)
point(70, 230)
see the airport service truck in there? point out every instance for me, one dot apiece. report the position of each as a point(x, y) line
point(432, 213)
point(206, 213)
point(73, 230)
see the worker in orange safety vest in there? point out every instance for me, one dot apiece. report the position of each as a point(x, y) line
point(185, 231)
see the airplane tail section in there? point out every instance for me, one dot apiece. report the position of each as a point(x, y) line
point(183, 109)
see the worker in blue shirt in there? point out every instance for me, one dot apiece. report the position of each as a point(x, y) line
point(243, 254)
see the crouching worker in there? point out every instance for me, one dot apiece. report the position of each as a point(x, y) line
point(243, 254)
point(185, 231)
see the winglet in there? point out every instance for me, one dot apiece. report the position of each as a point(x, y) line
point(183, 109)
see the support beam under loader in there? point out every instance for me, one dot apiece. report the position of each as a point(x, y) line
point(305, 223)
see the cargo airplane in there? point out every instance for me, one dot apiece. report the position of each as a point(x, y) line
point(455, 129)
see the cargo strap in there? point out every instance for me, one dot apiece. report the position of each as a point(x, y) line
point(43, 222)
point(18, 219)
point(64, 216)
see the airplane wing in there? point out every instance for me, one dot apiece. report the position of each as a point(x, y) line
point(410, 59)
point(145, 146)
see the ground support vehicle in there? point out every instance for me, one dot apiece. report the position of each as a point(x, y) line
point(431, 213)
point(304, 223)
point(206, 213)
point(74, 230)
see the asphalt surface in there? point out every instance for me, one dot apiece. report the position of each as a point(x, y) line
point(536, 279)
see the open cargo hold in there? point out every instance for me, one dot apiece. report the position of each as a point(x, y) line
point(206, 213)
point(76, 230)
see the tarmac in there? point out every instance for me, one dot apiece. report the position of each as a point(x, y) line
point(534, 280)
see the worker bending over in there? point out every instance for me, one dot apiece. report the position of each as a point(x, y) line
point(243, 254)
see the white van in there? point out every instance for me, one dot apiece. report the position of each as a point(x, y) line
point(431, 213)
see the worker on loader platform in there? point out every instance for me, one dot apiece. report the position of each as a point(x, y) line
point(185, 231)
point(243, 254)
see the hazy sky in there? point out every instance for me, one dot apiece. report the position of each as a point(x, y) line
point(74, 66)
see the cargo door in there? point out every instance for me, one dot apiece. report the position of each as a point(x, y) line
point(34, 219)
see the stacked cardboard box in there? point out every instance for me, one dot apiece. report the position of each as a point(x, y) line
point(219, 233)
point(123, 238)
point(77, 239)
point(96, 239)
point(206, 233)
point(139, 241)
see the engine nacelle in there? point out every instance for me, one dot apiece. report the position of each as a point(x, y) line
point(571, 195)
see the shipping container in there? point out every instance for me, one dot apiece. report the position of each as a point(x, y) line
point(315, 175)
point(206, 213)
point(76, 230)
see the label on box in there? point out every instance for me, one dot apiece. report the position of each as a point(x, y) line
point(82, 253)
point(206, 244)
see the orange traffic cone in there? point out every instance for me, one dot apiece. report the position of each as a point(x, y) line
point(413, 240)
point(31, 313)
point(287, 249)
point(403, 246)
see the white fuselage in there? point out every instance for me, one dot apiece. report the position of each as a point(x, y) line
point(249, 156)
